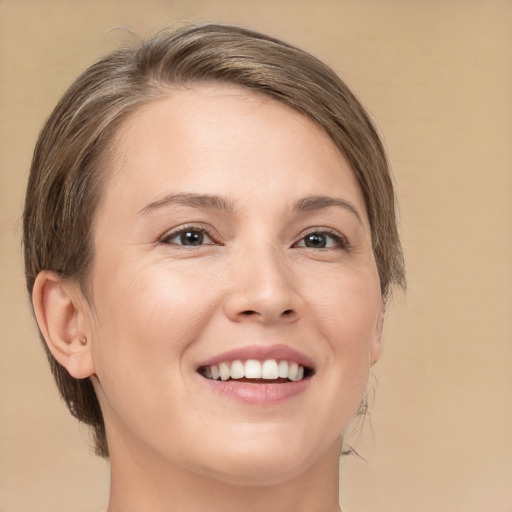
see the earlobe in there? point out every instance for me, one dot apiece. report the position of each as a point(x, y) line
point(62, 324)
point(376, 347)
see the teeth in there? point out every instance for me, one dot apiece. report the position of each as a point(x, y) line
point(292, 371)
point(237, 370)
point(253, 369)
point(283, 369)
point(224, 371)
point(269, 370)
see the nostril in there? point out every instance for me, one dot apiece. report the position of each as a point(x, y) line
point(288, 314)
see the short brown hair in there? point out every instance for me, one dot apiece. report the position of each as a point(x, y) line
point(66, 178)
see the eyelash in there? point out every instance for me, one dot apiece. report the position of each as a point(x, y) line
point(166, 239)
point(340, 241)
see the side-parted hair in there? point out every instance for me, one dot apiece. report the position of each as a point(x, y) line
point(67, 173)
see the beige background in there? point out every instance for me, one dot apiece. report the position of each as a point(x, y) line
point(437, 75)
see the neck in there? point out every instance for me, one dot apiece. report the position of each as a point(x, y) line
point(142, 483)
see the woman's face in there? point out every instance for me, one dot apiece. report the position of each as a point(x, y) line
point(231, 230)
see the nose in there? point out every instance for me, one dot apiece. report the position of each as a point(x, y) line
point(262, 289)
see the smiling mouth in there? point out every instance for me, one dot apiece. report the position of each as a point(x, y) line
point(269, 371)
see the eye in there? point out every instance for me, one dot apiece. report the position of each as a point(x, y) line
point(323, 240)
point(188, 237)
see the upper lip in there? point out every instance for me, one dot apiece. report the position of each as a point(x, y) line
point(260, 353)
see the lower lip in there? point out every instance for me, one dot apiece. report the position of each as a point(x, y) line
point(259, 394)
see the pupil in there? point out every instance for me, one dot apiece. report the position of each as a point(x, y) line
point(315, 240)
point(192, 238)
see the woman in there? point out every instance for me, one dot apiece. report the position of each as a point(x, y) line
point(210, 239)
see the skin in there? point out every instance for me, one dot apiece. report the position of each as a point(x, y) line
point(157, 308)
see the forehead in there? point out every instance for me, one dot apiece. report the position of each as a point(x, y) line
point(198, 137)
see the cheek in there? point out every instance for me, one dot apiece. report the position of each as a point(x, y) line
point(149, 310)
point(146, 320)
point(348, 310)
point(348, 317)
point(145, 324)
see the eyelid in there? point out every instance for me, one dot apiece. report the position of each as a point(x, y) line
point(168, 235)
point(339, 237)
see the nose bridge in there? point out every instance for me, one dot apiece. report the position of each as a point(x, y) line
point(262, 284)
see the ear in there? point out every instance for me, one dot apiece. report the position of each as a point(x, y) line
point(62, 323)
point(376, 344)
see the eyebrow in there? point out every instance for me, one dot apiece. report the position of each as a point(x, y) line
point(208, 201)
point(314, 203)
point(215, 202)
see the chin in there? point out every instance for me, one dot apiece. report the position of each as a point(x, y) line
point(257, 463)
point(258, 472)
